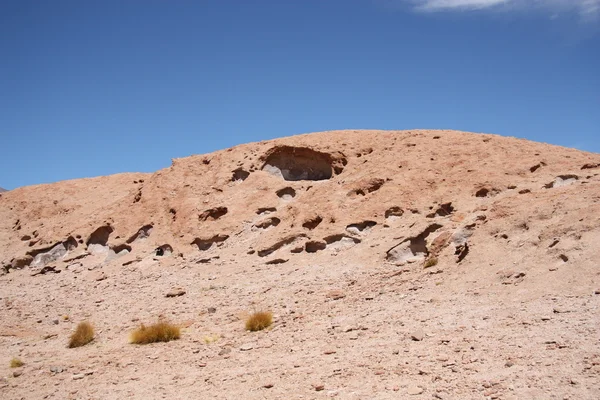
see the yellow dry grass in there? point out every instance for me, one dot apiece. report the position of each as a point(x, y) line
point(84, 333)
point(160, 332)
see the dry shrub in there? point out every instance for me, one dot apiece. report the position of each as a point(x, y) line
point(259, 321)
point(16, 363)
point(160, 332)
point(431, 262)
point(84, 333)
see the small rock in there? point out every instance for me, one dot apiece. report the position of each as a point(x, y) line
point(335, 294)
point(56, 370)
point(55, 321)
point(176, 292)
point(415, 390)
point(268, 385)
point(212, 310)
point(17, 373)
point(246, 347)
point(329, 351)
point(318, 387)
point(597, 291)
point(417, 336)
point(225, 351)
point(78, 376)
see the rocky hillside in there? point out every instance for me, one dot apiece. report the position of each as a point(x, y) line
point(397, 263)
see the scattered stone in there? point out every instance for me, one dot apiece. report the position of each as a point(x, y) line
point(78, 376)
point(318, 387)
point(335, 294)
point(176, 292)
point(417, 336)
point(329, 351)
point(212, 310)
point(247, 347)
point(268, 385)
point(17, 373)
point(225, 351)
point(56, 370)
point(415, 390)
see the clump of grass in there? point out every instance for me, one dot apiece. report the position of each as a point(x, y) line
point(16, 363)
point(84, 333)
point(211, 339)
point(259, 321)
point(160, 332)
point(431, 262)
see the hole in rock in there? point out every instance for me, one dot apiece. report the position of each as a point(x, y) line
point(265, 210)
point(239, 175)
point(368, 186)
point(286, 193)
point(314, 246)
point(340, 237)
point(590, 166)
point(312, 223)
point(164, 250)
point(273, 221)
point(302, 163)
point(213, 214)
point(100, 236)
point(443, 210)
point(119, 248)
point(205, 244)
point(26, 238)
point(142, 233)
point(394, 212)
point(360, 226)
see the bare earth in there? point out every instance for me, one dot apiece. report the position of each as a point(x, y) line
point(338, 234)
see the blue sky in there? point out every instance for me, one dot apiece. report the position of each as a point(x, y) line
point(92, 88)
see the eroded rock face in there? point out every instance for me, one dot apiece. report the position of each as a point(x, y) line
point(434, 250)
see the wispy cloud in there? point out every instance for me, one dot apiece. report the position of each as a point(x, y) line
point(588, 9)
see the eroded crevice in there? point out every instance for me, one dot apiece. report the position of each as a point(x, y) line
point(486, 192)
point(206, 244)
point(340, 237)
point(272, 221)
point(266, 210)
point(312, 223)
point(277, 261)
point(281, 243)
point(213, 214)
point(444, 210)
point(394, 211)
point(142, 233)
point(413, 248)
point(163, 250)
point(461, 251)
point(361, 226)
point(365, 187)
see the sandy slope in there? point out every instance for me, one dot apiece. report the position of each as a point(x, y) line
point(510, 310)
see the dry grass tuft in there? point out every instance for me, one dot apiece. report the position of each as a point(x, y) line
point(159, 332)
point(16, 363)
point(431, 262)
point(84, 333)
point(259, 321)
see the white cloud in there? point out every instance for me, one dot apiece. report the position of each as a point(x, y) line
point(586, 8)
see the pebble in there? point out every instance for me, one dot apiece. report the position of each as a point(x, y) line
point(56, 370)
point(318, 387)
point(176, 292)
point(417, 336)
point(17, 373)
point(268, 385)
point(415, 390)
point(246, 347)
point(78, 376)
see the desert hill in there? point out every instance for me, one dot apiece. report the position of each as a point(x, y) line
point(397, 263)
point(3, 190)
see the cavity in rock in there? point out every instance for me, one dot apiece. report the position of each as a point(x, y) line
point(286, 193)
point(213, 214)
point(360, 226)
point(302, 163)
point(312, 223)
point(205, 244)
